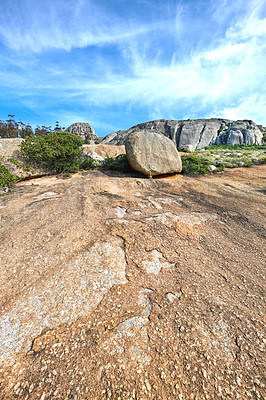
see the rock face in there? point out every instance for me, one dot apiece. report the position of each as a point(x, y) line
point(198, 133)
point(84, 130)
point(152, 154)
point(10, 151)
point(112, 287)
point(105, 150)
point(98, 152)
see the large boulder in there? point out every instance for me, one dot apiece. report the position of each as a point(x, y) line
point(197, 132)
point(84, 130)
point(152, 153)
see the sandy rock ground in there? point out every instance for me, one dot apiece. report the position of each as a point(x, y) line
point(10, 152)
point(105, 150)
point(115, 286)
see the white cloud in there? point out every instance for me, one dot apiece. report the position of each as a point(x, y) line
point(226, 51)
point(39, 26)
point(223, 78)
point(252, 107)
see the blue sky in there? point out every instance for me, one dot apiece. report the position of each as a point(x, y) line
point(116, 63)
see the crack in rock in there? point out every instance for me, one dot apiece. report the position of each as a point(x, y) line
point(137, 350)
point(71, 293)
point(155, 263)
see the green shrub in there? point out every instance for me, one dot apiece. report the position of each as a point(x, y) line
point(15, 162)
point(6, 177)
point(248, 163)
point(88, 163)
point(194, 165)
point(58, 151)
point(243, 146)
point(219, 167)
point(118, 163)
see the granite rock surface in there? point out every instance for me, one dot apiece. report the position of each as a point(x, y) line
point(84, 130)
point(198, 133)
point(152, 154)
point(114, 286)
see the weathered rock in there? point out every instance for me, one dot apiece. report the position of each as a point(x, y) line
point(84, 130)
point(105, 150)
point(188, 148)
point(78, 289)
point(199, 132)
point(112, 287)
point(152, 154)
point(11, 157)
point(93, 155)
point(98, 152)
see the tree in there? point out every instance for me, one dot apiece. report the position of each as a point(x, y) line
point(57, 126)
point(42, 130)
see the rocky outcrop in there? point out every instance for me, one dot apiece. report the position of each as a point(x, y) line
point(11, 157)
point(104, 150)
point(152, 154)
point(198, 133)
point(99, 152)
point(115, 286)
point(84, 130)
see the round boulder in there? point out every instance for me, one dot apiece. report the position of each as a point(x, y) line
point(84, 130)
point(152, 153)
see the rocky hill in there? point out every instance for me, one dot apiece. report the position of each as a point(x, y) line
point(198, 132)
point(115, 286)
point(84, 130)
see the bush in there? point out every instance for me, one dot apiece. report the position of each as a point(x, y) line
point(118, 163)
point(88, 163)
point(236, 146)
point(58, 151)
point(6, 177)
point(194, 165)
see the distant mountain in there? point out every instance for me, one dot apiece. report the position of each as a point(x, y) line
point(198, 132)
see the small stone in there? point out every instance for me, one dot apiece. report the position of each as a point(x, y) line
point(238, 381)
point(188, 148)
point(16, 386)
point(148, 385)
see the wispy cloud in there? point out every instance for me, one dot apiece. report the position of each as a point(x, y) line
point(172, 66)
point(40, 26)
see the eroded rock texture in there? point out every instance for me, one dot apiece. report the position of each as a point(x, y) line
point(84, 130)
point(152, 154)
point(120, 287)
point(198, 133)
